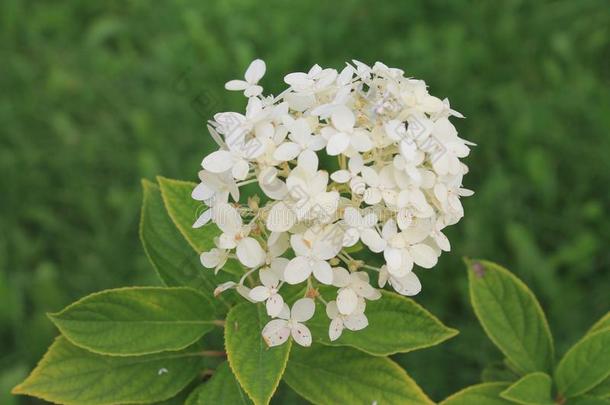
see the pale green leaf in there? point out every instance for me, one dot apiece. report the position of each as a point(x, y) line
point(396, 325)
point(257, 367)
point(137, 320)
point(588, 400)
point(342, 375)
point(511, 316)
point(70, 375)
point(585, 365)
point(184, 211)
point(532, 389)
point(222, 388)
point(487, 394)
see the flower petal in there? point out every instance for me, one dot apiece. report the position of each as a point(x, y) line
point(203, 219)
point(287, 151)
point(259, 294)
point(343, 118)
point(297, 270)
point(274, 305)
point(408, 285)
point(356, 322)
point(236, 85)
point(341, 277)
point(255, 71)
point(424, 255)
point(341, 176)
point(303, 309)
point(335, 329)
point(337, 143)
point(218, 162)
point(323, 272)
point(301, 334)
point(347, 301)
point(276, 332)
point(250, 253)
point(281, 218)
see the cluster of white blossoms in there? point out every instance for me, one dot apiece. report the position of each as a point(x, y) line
point(361, 161)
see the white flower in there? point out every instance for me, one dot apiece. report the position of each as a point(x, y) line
point(408, 284)
point(215, 258)
point(302, 139)
point(395, 159)
point(312, 252)
point(235, 235)
point(268, 292)
point(250, 86)
point(290, 322)
point(358, 227)
point(352, 288)
point(355, 321)
point(345, 134)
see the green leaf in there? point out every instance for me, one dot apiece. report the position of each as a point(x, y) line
point(588, 400)
point(136, 320)
point(257, 367)
point(168, 252)
point(342, 375)
point(601, 390)
point(487, 394)
point(184, 211)
point(603, 323)
point(585, 365)
point(396, 325)
point(532, 389)
point(69, 375)
point(222, 388)
point(511, 316)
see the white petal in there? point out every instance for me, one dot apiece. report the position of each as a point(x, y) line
point(371, 238)
point(337, 143)
point(308, 160)
point(218, 162)
point(331, 309)
point(203, 219)
point(250, 253)
point(343, 119)
point(287, 151)
point(323, 272)
point(260, 293)
point(202, 192)
point(276, 332)
point(335, 329)
point(408, 285)
point(281, 218)
point(341, 176)
point(236, 85)
point(268, 277)
point(356, 322)
point(297, 270)
point(361, 142)
point(253, 91)
point(240, 170)
point(255, 71)
point(341, 277)
point(274, 305)
point(424, 255)
point(301, 334)
point(227, 218)
point(350, 237)
point(393, 257)
point(302, 310)
point(347, 301)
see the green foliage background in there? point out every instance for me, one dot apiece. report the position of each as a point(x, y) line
point(96, 95)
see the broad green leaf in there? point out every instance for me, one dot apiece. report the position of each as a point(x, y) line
point(257, 367)
point(137, 320)
point(342, 375)
point(601, 390)
point(396, 325)
point(222, 388)
point(511, 316)
point(69, 375)
point(602, 323)
point(588, 400)
point(184, 211)
point(532, 389)
point(585, 365)
point(168, 252)
point(487, 394)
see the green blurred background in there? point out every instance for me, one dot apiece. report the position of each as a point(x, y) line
point(96, 95)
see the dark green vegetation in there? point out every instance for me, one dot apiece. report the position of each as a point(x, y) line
point(96, 95)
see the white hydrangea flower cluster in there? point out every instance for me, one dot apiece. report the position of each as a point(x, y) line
point(395, 183)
